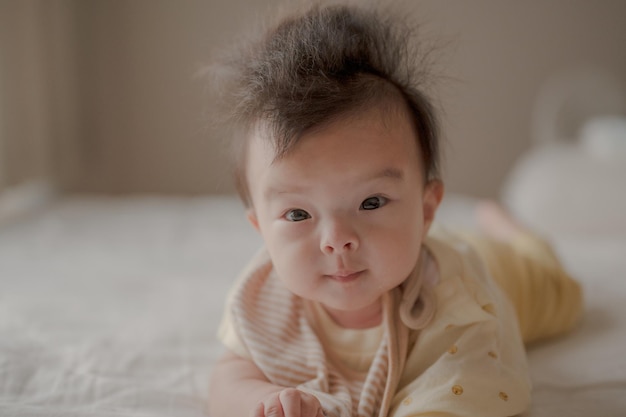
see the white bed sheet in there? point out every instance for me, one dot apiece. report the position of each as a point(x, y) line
point(109, 307)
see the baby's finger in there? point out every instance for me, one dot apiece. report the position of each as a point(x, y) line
point(290, 401)
point(310, 405)
point(270, 407)
point(259, 411)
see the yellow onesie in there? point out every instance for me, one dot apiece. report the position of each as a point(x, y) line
point(469, 360)
point(547, 300)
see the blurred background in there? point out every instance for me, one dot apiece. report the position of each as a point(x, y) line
point(119, 236)
point(104, 97)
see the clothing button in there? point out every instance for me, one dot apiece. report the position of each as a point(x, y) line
point(493, 355)
point(453, 350)
point(504, 396)
point(407, 400)
point(457, 390)
point(489, 309)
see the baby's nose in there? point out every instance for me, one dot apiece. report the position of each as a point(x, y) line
point(339, 238)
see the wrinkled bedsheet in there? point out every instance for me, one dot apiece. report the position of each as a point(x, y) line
point(109, 307)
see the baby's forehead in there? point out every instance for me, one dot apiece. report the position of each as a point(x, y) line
point(354, 150)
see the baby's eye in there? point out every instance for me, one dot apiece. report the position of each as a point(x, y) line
point(297, 215)
point(373, 203)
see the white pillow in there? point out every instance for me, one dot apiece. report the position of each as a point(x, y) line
point(562, 189)
point(605, 137)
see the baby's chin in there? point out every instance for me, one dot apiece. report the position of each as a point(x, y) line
point(361, 317)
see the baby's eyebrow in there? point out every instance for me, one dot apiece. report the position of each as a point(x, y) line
point(393, 173)
point(274, 191)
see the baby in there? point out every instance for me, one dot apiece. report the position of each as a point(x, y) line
point(358, 305)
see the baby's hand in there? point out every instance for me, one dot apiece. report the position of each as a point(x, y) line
point(289, 402)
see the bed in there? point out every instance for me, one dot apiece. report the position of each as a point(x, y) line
point(109, 307)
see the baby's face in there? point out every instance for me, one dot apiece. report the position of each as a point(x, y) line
point(343, 214)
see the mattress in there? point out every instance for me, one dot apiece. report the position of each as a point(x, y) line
point(109, 307)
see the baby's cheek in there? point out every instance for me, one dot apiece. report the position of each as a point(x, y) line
point(403, 249)
point(293, 258)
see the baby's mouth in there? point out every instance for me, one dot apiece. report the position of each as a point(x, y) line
point(345, 276)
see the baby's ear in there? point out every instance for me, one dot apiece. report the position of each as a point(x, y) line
point(433, 193)
point(252, 218)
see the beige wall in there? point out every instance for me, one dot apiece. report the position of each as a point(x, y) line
point(39, 119)
point(504, 52)
point(23, 118)
point(103, 95)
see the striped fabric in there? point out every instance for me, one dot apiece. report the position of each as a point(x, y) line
point(275, 327)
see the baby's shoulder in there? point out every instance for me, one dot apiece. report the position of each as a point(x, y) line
point(456, 257)
point(465, 290)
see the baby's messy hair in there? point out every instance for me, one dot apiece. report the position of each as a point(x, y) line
point(321, 63)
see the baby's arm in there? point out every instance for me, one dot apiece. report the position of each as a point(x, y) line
point(239, 388)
